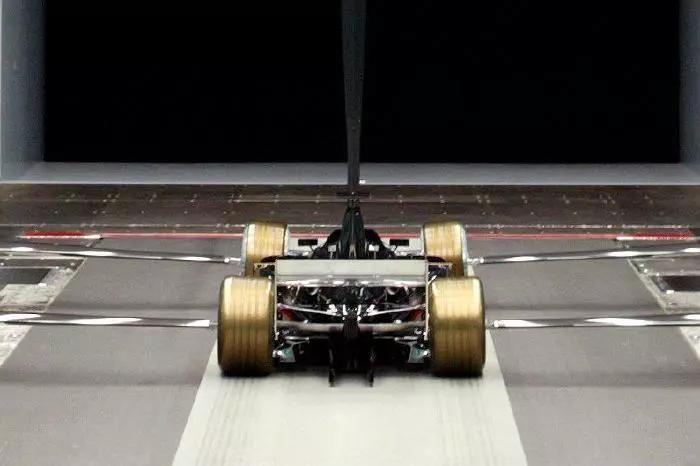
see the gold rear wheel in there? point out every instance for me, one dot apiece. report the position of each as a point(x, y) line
point(447, 240)
point(245, 331)
point(456, 326)
point(261, 240)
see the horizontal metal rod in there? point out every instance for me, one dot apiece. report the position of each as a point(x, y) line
point(22, 249)
point(306, 309)
point(374, 329)
point(637, 253)
point(49, 318)
point(398, 310)
point(337, 313)
point(636, 321)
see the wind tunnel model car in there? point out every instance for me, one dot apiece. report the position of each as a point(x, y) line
point(352, 301)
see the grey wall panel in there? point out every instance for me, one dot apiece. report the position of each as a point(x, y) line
point(690, 81)
point(2, 80)
point(21, 117)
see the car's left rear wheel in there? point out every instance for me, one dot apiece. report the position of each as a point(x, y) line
point(245, 330)
point(261, 240)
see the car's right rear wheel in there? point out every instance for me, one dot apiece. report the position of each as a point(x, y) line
point(457, 332)
point(448, 241)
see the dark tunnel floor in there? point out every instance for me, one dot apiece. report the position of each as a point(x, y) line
point(226, 207)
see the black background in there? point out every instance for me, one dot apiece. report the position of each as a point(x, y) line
point(157, 82)
point(523, 81)
point(484, 81)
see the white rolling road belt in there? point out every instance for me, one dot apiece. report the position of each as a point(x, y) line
point(295, 418)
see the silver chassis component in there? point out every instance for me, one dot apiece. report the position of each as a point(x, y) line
point(340, 282)
point(306, 309)
point(343, 272)
point(397, 310)
point(313, 329)
point(348, 273)
point(368, 313)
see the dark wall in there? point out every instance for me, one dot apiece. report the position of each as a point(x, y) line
point(522, 81)
point(488, 81)
point(163, 83)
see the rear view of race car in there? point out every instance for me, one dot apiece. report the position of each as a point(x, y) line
point(352, 302)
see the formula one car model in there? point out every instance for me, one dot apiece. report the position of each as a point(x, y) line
point(352, 300)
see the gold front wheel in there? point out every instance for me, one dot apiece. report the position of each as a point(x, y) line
point(457, 332)
point(448, 241)
point(245, 331)
point(261, 240)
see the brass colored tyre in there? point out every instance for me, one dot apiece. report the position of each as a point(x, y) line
point(261, 240)
point(456, 326)
point(245, 331)
point(447, 240)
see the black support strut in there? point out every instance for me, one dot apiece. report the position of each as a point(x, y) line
point(354, 14)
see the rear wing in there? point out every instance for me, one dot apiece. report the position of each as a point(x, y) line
point(351, 272)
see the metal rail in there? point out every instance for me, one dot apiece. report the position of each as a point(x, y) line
point(633, 321)
point(656, 320)
point(23, 249)
point(637, 253)
point(50, 318)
